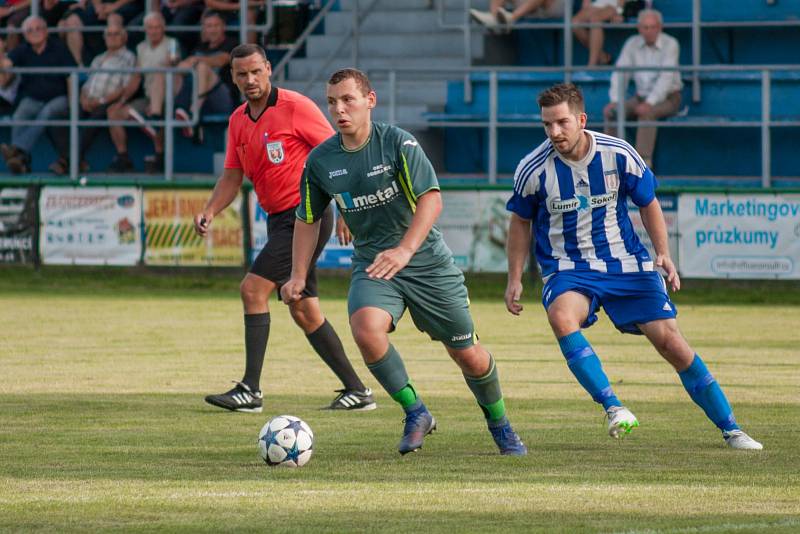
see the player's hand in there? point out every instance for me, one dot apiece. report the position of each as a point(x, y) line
point(343, 231)
point(292, 291)
point(665, 262)
point(389, 262)
point(512, 297)
point(201, 223)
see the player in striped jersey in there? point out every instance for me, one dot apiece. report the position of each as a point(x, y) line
point(571, 193)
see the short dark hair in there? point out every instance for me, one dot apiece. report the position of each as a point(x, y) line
point(245, 50)
point(344, 74)
point(560, 93)
point(208, 13)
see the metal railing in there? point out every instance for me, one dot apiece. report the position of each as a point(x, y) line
point(696, 24)
point(74, 122)
point(493, 123)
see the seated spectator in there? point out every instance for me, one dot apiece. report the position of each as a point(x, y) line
point(184, 13)
point(101, 91)
point(596, 11)
point(12, 13)
point(210, 63)
point(8, 95)
point(157, 50)
point(41, 96)
point(94, 13)
point(658, 93)
point(498, 17)
point(229, 10)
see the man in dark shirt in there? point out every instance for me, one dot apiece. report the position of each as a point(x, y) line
point(41, 96)
point(210, 61)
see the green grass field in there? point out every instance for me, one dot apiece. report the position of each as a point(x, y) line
point(103, 427)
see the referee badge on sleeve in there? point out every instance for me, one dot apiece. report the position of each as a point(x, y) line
point(275, 152)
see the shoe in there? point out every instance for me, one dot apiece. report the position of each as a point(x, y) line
point(507, 440)
point(737, 439)
point(17, 160)
point(154, 164)
point(620, 421)
point(485, 18)
point(353, 401)
point(504, 16)
point(59, 167)
point(182, 115)
point(418, 424)
point(240, 399)
point(148, 130)
point(121, 163)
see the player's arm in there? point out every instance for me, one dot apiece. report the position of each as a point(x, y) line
point(303, 244)
point(517, 246)
point(656, 226)
point(391, 261)
point(224, 193)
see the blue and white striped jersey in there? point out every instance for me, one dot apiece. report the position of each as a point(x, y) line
point(579, 209)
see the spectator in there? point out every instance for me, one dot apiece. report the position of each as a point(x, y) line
point(596, 11)
point(41, 96)
point(184, 13)
point(101, 91)
point(229, 11)
point(210, 63)
point(94, 13)
point(658, 93)
point(498, 17)
point(8, 95)
point(12, 13)
point(157, 50)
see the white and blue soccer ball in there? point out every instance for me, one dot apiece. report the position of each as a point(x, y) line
point(287, 441)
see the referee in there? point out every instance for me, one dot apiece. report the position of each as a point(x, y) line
point(269, 137)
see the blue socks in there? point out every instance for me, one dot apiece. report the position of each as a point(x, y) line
point(706, 393)
point(585, 365)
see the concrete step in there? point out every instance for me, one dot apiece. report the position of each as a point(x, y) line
point(417, 92)
point(304, 68)
point(408, 20)
point(392, 45)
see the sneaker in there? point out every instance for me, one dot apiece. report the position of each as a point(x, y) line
point(59, 167)
point(737, 439)
point(182, 115)
point(418, 424)
point(485, 18)
point(507, 440)
point(504, 16)
point(620, 421)
point(154, 164)
point(240, 399)
point(353, 400)
point(121, 163)
point(17, 160)
point(148, 130)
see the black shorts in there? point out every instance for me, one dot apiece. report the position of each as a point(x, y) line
point(274, 262)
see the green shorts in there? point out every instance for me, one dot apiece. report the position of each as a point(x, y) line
point(436, 297)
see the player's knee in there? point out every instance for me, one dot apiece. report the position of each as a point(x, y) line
point(562, 322)
point(250, 292)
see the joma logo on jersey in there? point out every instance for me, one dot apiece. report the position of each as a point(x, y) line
point(338, 172)
point(380, 197)
point(581, 203)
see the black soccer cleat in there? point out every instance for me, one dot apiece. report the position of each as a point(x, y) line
point(353, 401)
point(240, 399)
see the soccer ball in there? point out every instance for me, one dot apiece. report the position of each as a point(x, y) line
point(287, 441)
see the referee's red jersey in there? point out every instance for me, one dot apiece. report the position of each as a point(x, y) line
point(272, 149)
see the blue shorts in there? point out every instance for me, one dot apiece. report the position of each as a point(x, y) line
point(628, 299)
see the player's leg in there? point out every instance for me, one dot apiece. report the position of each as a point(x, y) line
point(697, 380)
point(307, 314)
point(439, 305)
point(567, 311)
point(375, 306)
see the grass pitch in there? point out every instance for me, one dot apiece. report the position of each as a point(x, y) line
point(103, 427)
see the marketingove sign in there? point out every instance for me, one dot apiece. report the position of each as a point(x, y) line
point(739, 236)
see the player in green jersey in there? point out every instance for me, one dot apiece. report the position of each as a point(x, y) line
point(387, 192)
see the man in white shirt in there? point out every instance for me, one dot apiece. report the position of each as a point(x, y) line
point(658, 93)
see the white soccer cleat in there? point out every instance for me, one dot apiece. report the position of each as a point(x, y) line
point(737, 439)
point(620, 421)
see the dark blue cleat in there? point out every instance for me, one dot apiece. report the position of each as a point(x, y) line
point(507, 440)
point(419, 423)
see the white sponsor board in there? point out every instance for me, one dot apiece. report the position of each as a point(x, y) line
point(739, 236)
point(90, 226)
point(475, 227)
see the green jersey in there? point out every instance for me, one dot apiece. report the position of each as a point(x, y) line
point(376, 187)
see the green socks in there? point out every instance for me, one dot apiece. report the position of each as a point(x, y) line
point(390, 372)
point(487, 392)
